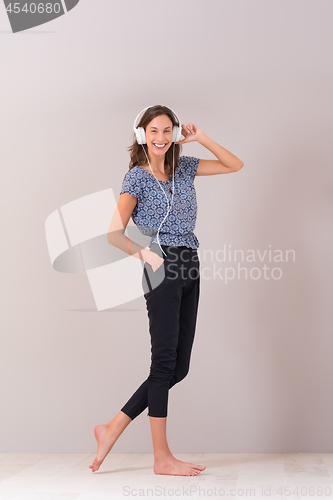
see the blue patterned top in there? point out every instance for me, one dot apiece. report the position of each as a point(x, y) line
point(152, 206)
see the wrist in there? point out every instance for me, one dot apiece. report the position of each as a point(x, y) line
point(147, 255)
point(202, 138)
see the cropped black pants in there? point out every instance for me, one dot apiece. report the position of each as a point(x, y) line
point(172, 297)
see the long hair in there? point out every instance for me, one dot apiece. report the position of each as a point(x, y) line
point(137, 155)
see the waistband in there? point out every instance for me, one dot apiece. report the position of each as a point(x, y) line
point(180, 248)
point(174, 248)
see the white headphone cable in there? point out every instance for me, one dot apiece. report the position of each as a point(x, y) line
point(173, 190)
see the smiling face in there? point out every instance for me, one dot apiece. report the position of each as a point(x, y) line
point(159, 135)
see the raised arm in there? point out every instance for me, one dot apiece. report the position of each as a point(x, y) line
point(226, 162)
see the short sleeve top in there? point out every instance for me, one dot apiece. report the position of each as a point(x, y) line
point(153, 204)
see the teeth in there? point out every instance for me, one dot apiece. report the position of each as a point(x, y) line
point(159, 145)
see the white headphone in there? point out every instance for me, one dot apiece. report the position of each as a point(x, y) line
point(141, 134)
point(141, 139)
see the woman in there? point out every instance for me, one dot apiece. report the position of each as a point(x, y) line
point(158, 192)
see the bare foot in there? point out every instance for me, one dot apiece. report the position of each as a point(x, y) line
point(170, 465)
point(105, 440)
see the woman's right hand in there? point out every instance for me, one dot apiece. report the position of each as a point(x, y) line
point(156, 261)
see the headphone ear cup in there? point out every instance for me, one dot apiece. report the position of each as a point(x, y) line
point(140, 135)
point(176, 133)
point(137, 135)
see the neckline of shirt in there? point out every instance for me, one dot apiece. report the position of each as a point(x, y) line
point(169, 180)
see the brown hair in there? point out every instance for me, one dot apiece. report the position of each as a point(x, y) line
point(137, 154)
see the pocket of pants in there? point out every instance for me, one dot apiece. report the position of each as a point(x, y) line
point(152, 280)
point(162, 264)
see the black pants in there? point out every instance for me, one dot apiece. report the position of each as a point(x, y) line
point(172, 297)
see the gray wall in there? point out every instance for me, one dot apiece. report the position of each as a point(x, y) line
point(256, 77)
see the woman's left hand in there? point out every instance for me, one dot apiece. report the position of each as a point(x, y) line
point(191, 133)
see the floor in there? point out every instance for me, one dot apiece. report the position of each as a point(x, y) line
point(237, 475)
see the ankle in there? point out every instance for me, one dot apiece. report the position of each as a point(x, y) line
point(162, 456)
point(110, 427)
